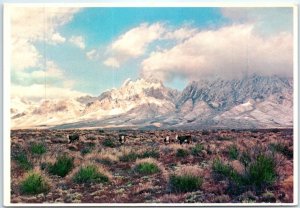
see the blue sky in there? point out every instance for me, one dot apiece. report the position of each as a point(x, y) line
point(90, 50)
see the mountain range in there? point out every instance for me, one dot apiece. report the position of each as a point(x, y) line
point(249, 102)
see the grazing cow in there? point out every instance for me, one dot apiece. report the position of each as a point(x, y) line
point(122, 138)
point(167, 140)
point(73, 137)
point(184, 139)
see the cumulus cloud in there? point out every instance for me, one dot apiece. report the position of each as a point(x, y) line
point(32, 24)
point(92, 54)
point(180, 34)
point(266, 21)
point(78, 41)
point(43, 92)
point(133, 43)
point(112, 62)
point(228, 51)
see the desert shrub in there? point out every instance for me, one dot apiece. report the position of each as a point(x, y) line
point(92, 138)
point(224, 138)
point(197, 149)
point(245, 158)
point(34, 183)
point(262, 172)
point(108, 143)
point(38, 148)
point(150, 153)
point(146, 168)
point(85, 150)
point(221, 169)
point(22, 160)
point(128, 157)
point(89, 174)
point(182, 153)
point(62, 166)
point(281, 148)
point(233, 152)
point(185, 180)
point(100, 130)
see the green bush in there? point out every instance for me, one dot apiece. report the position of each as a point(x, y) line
point(89, 174)
point(22, 160)
point(62, 166)
point(262, 172)
point(196, 150)
point(245, 158)
point(150, 153)
point(185, 183)
point(182, 153)
point(38, 148)
point(85, 150)
point(108, 143)
point(130, 157)
point(233, 152)
point(281, 148)
point(146, 168)
point(34, 183)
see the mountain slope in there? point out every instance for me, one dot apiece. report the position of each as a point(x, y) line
point(250, 102)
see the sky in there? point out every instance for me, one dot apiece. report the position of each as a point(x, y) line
point(69, 52)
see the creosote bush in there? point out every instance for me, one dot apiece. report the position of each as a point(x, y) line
point(22, 160)
point(90, 174)
point(197, 149)
point(281, 148)
point(38, 148)
point(34, 183)
point(146, 166)
point(182, 153)
point(258, 174)
point(62, 166)
point(150, 153)
point(108, 143)
point(186, 179)
point(233, 152)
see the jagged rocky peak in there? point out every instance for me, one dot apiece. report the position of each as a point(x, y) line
point(222, 93)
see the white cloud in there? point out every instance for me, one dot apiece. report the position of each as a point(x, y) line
point(266, 21)
point(134, 42)
point(57, 38)
point(228, 51)
point(78, 41)
point(31, 24)
point(92, 54)
point(24, 54)
point(180, 34)
point(40, 91)
point(112, 62)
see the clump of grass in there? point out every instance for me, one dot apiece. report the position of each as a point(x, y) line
point(146, 166)
point(187, 179)
point(281, 148)
point(197, 149)
point(62, 166)
point(182, 153)
point(22, 160)
point(128, 157)
point(245, 158)
point(108, 143)
point(34, 183)
point(90, 174)
point(233, 152)
point(258, 174)
point(38, 148)
point(150, 153)
point(263, 171)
